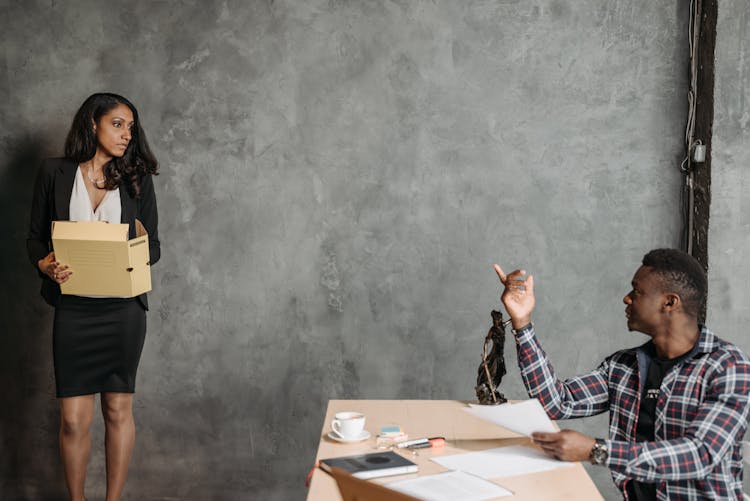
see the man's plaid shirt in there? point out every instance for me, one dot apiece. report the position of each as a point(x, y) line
point(701, 414)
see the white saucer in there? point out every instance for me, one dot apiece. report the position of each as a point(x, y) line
point(362, 436)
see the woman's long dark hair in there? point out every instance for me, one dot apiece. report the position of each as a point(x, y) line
point(80, 146)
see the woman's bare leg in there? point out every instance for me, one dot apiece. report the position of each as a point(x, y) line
point(117, 409)
point(76, 414)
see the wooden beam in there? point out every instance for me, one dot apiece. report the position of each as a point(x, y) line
point(704, 118)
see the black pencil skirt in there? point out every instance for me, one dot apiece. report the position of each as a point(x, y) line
point(97, 345)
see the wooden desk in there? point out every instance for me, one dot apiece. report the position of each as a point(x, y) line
point(462, 432)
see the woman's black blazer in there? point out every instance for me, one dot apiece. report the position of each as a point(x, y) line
point(54, 186)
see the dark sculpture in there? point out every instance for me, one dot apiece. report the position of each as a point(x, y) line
point(492, 368)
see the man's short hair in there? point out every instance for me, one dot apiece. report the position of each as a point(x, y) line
point(681, 274)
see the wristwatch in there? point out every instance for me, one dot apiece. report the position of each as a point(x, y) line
point(599, 452)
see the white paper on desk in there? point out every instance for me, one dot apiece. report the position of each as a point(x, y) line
point(501, 462)
point(525, 417)
point(450, 486)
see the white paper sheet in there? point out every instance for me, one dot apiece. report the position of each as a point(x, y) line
point(450, 486)
point(525, 417)
point(501, 462)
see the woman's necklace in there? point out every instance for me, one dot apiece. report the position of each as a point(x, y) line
point(95, 182)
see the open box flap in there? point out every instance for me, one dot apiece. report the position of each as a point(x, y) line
point(89, 230)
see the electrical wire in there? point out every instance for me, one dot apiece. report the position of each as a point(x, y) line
point(686, 167)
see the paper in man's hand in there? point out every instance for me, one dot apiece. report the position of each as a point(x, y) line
point(524, 417)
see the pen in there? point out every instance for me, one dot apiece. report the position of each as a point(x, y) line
point(416, 441)
point(432, 442)
point(419, 443)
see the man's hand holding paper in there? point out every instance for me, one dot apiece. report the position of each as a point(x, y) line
point(565, 445)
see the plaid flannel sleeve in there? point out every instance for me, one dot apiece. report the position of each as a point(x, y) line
point(580, 396)
point(720, 423)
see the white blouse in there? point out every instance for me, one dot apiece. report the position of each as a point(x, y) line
point(109, 209)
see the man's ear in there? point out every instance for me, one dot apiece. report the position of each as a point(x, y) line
point(672, 301)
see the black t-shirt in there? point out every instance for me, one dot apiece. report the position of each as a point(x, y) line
point(657, 369)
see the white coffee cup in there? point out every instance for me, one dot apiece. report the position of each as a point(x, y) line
point(348, 425)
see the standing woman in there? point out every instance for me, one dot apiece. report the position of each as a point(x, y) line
point(106, 175)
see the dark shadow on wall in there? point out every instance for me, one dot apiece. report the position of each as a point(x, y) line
point(29, 457)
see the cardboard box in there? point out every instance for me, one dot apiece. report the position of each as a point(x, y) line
point(103, 260)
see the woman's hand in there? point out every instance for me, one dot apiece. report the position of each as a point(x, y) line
point(59, 273)
point(518, 296)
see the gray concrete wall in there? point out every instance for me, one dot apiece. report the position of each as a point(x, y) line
point(729, 238)
point(337, 179)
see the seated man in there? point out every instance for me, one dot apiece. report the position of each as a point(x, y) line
point(678, 405)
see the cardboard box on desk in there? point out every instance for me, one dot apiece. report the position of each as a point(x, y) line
point(103, 260)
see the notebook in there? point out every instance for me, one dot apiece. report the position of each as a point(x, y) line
point(355, 489)
point(373, 465)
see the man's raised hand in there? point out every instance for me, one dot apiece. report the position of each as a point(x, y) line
point(518, 296)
